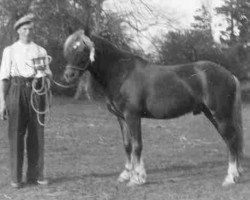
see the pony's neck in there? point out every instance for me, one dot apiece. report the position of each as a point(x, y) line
point(105, 48)
point(101, 68)
point(107, 58)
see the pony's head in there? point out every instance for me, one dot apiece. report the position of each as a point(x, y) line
point(79, 53)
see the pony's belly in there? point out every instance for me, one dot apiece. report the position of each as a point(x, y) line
point(168, 109)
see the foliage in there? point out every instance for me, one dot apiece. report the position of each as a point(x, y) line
point(111, 29)
point(237, 14)
point(56, 20)
point(203, 19)
point(187, 46)
point(197, 43)
point(10, 11)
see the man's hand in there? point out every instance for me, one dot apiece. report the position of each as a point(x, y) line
point(3, 111)
point(41, 68)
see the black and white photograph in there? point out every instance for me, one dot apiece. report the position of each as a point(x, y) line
point(124, 99)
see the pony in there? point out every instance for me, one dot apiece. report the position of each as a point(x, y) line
point(136, 89)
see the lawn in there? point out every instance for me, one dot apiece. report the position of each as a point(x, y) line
point(185, 158)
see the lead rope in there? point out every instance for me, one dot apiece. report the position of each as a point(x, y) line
point(40, 89)
point(36, 92)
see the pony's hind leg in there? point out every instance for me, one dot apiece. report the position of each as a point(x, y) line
point(227, 132)
point(232, 136)
point(138, 173)
point(227, 119)
point(232, 132)
point(233, 140)
point(127, 172)
point(230, 128)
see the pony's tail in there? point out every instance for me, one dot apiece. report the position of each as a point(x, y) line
point(237, 117)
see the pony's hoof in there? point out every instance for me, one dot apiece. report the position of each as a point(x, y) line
point(137, 179)
point(132, 182)
point(125, 176)
point(230, 180)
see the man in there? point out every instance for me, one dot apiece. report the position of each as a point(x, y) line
point(16, 75)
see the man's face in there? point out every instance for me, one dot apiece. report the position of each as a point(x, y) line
point(25, 32)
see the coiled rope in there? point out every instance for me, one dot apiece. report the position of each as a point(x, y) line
point(44, 90)
point(40, 89)
point(38, 92)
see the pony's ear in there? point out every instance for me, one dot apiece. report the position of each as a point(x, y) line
point(81, 32)
point(87, 30)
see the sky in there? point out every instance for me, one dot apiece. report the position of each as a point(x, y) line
point(161, 16)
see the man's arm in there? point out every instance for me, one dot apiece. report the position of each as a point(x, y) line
point(4, 81)
point(4, 88)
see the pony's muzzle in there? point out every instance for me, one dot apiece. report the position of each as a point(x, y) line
point(70, 75)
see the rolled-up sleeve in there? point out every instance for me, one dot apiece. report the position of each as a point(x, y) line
point(5, 64)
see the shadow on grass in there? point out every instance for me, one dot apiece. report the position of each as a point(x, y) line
point(81, 177)
point(178, 171)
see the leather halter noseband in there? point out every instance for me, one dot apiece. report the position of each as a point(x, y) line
point(81, 69)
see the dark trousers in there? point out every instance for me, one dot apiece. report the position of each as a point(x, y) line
point(22, 121)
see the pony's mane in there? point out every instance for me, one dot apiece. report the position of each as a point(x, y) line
point(106, 47)
point(101, 45)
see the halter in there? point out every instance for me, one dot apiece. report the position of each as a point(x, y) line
point(84, 40)
point(81, 69)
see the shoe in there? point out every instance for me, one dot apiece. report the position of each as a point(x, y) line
point(43, 182)
point(37, 182)
point(16, 184)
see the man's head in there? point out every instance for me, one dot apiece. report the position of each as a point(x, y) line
point(24, 27)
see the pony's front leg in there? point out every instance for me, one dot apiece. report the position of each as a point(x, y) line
point(126, 136)
point(139, 175)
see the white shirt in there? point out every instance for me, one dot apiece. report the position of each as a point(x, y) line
point(17, 60)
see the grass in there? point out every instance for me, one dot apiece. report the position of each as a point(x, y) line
point(185, 158)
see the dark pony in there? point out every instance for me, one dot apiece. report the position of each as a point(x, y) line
point(137, 89)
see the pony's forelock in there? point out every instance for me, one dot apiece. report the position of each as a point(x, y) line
point(74, 41)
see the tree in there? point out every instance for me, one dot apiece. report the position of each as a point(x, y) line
point(191, 45)
point(187, 46)
point(229, 10)
point(203, 19)
point(237, 13)
point(10, 11)
point(243, 19)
